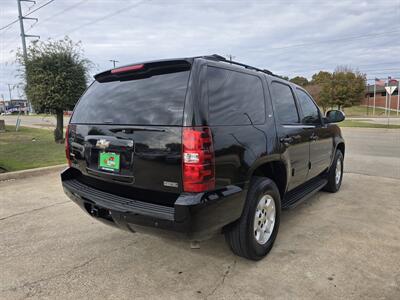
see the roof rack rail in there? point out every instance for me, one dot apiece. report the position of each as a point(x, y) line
point(221, 58)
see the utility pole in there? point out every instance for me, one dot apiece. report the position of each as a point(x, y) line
point(2, 103)
point(9, 90)
point(23, 35)
point(398, 97)
point(114, 61)
point(389, 98)
point(373, 110)
point(230, 57)
point(21, 26)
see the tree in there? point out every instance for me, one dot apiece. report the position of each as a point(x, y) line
point(348, 87)
point(55, 77)
point(282, 77)
point(342, 88)
point(314, 90)
point(321, 77)
point(299, 80)
point(321, 89)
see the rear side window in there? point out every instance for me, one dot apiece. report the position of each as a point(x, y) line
point(156, 100)
point(235, 98)
point(310, 110)
point(284, 103)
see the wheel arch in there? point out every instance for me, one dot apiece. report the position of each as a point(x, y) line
point(274, 170)
point(340, 146)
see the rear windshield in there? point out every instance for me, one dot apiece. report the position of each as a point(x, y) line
point(157, 100)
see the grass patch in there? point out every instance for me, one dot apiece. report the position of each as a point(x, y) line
point(353, 123)
point(361, 111)
point(40, 115)
point(29, 148)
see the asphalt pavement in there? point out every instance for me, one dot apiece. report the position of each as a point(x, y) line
point(373, 151)
point(333, 246)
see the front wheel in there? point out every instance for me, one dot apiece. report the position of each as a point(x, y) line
point(335, 174)
point(254, 234)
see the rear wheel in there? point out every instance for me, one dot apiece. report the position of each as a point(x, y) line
point(335, 174)
point(254, 234)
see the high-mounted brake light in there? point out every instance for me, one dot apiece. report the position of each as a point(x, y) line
point(67, 146)
point(127, 69)
point(198, 165)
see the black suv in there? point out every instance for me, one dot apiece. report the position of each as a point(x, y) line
point(198, 146)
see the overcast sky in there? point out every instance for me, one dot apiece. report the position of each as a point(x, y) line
point(288, 37)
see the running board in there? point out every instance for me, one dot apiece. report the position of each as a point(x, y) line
point(303, 192)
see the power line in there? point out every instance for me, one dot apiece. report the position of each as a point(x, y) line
point(319, 67)
point(57, 14)
point(21, 19)
point(9, 24)
point(36, 9)
point(31, 12)
point(389, 69)
point(316, 70)
point(63, 11)
point(361, 36)
point(121, 10)
point(373, 79)
point(395, 72)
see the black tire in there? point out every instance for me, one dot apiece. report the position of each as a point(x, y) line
point(241, 235)
point(333, 185)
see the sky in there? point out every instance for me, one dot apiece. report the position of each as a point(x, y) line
point(288, 37)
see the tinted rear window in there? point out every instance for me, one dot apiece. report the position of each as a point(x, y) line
point(157, 100)
point(235, 98)
point(285, 106)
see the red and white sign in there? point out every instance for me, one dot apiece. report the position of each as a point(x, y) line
point(390, 89)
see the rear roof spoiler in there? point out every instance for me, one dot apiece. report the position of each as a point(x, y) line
point(151, 68)
point(145, 70)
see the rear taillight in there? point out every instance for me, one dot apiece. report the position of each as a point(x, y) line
point(198, 166)
point(67, 146)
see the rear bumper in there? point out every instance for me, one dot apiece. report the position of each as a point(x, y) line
point(195, 216)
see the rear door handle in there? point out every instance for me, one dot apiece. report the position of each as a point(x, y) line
point(287, 140)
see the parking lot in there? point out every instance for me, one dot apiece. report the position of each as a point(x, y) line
point(344, 245)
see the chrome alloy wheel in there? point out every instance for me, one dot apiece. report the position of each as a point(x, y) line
point(264, 219)
point(338, 171)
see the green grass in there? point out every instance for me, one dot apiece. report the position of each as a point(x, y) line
point(353, 123)
point(361, 111)
point(29, 148)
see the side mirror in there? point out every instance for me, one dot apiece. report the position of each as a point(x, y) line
point(334, 116)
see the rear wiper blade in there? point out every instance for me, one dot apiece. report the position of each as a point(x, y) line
point(133, 129)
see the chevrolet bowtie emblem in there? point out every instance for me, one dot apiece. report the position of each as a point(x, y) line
point(102, 143)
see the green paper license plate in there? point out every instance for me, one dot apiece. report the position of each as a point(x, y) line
point(109, 161)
